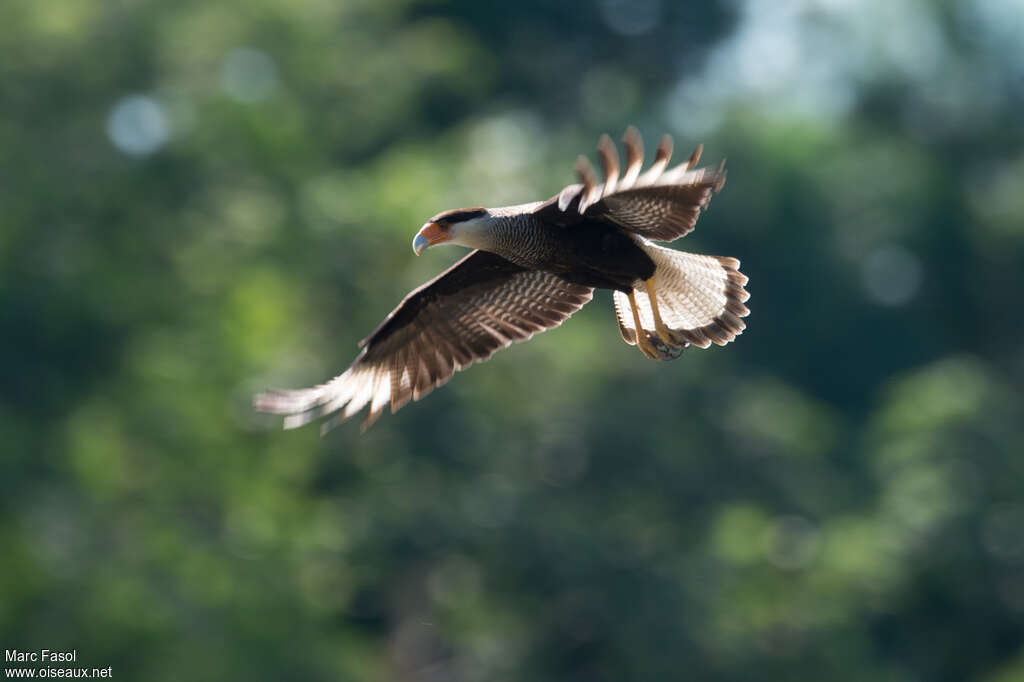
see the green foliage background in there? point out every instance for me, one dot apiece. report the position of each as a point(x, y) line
point(838, 495)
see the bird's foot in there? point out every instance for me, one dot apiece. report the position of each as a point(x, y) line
point(664, 350)
point(646, 343)
point(660, 345)
point(668, 343)
point(643, 338)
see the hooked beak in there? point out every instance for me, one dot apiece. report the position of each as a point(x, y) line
point(429, 235)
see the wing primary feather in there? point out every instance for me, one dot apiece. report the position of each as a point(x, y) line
point(429, 355)
point(634, 144)
point(399, 393)
point(482, 343)
point(329, 425)
point(343, 389)
point(569, 195)
point(694, 157)
point(368, 420)
point(380, 401)
point(419, 374)
point(360, 397)
point(461, 355)
point(421, 378)
point(446, 362)
point(609, 162)
point(294, 421)
point(661, 160)
point(588, 178)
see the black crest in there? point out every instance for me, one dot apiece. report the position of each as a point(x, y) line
point(458, 215)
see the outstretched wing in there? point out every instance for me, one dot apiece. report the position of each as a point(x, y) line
point(660, 204)
point(481, 304)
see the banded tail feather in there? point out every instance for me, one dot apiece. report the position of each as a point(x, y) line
point(701, 300)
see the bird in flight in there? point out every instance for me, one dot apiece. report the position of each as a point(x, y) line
point(534, 265)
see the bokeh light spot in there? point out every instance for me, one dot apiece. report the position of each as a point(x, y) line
point(248, 75)
point(892, 275)
point(137, 125)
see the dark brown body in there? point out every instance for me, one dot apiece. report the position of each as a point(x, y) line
point(598, 254)
point(592, 252)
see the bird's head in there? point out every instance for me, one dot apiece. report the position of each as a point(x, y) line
point(463, 226)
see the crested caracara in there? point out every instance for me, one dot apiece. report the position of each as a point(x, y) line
point(534, 265)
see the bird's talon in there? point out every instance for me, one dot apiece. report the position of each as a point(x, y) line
point(665, 350)
point(647, 348)
point(644, 343)
point(677, 340)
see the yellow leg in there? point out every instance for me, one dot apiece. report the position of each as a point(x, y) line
point(642, 342)
point(663, 331)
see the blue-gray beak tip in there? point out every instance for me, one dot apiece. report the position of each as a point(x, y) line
point(419, 243)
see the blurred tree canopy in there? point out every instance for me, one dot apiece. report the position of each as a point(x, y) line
point(202, 199)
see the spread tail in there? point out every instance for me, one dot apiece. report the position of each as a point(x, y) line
point(700, 299)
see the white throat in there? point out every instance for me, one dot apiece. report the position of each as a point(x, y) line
point(476, 233)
